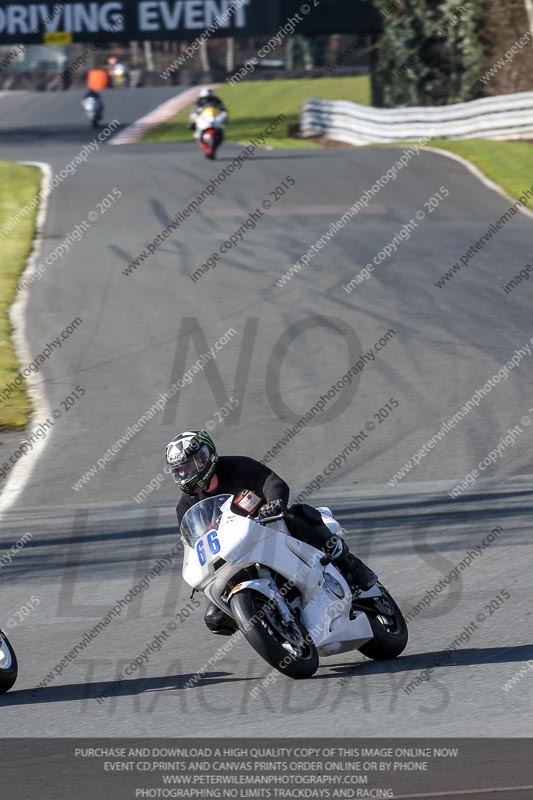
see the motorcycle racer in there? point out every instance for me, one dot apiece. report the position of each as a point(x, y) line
point(205, 98)
point(200, 472)
point(93, 106)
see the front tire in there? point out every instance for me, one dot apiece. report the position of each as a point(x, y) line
point(389, 628)
point(8, 664)
point(289, 650)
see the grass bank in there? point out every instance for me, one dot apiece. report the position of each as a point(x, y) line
point(18, 187)
point(510, 164)
point(252, 105)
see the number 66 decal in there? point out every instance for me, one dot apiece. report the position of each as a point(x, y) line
point(214, 546)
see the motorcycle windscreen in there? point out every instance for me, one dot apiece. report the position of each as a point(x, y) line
point(202, 517)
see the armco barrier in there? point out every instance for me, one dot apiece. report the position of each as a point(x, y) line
point(504, 117)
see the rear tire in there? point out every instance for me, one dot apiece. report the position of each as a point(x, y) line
point(9, 673)
point(389, 628)
point(262, 631)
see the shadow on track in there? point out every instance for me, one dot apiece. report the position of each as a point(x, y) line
point(91, 691)
point(470, 656)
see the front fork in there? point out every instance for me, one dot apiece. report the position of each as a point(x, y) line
point(372, 601)
point(285, 612)
point(265, 585)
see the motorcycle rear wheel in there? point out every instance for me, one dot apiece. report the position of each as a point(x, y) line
point(8, 664)
point(291, 652)
point(389, 628)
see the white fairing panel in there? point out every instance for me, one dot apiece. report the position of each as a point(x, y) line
point(206, 120)
point(220, 544)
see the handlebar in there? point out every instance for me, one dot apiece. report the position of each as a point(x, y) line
point(263, 520)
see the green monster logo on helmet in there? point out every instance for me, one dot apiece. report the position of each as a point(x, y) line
point(204, 438)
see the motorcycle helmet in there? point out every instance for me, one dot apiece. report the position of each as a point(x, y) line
point(192, 458)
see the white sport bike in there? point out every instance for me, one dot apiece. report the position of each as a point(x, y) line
point(290, 602)
point(210, 122)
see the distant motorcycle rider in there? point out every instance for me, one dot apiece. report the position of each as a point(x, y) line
point(200, 472)
point(92, 95)
point(93, 105)
point(205, 98)
point(118, 72)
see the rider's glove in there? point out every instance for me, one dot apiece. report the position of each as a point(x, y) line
point(272, 509)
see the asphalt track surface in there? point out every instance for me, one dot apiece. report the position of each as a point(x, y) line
point(91, 546)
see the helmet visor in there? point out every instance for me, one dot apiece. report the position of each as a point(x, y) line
point(191, 466)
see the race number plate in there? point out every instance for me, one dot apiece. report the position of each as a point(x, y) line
point(213, 546)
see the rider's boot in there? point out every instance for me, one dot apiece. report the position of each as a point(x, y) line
point(306, 523)
point(356, 573)
point(219, 622)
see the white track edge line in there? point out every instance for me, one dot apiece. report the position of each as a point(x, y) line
point(22, 470)
point(477, 172)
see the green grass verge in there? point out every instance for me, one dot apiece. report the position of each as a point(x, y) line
point(252, 105)
point(18, 187)
point(510, 164)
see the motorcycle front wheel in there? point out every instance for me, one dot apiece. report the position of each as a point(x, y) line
point(287, 648)
point(8, 664)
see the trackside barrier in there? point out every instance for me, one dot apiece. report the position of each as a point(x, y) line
point(507, 116)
